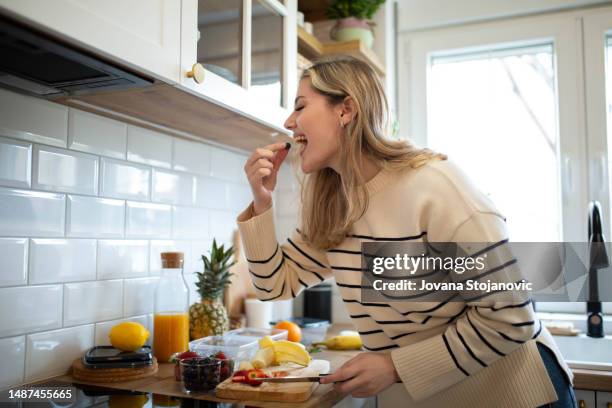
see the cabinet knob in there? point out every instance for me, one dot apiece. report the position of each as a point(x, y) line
point(581, 404)
point(197, 73)
point(609, 405)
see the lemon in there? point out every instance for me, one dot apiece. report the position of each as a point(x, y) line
point(128, 336)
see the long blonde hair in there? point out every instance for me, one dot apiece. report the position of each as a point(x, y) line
point(332, 202)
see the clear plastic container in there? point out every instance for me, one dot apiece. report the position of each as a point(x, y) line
point(313, 330)
point(238, 345)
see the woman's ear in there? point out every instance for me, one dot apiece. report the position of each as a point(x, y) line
point(347, 109)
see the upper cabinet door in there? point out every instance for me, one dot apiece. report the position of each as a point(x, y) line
point(248, 49)
point(141, 34)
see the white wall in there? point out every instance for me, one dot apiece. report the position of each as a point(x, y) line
point(86, 206)
point(426, 14)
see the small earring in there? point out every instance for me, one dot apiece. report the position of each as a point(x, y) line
point(341, 124)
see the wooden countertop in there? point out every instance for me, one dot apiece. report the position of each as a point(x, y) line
point(163, 383)
point(324, 395)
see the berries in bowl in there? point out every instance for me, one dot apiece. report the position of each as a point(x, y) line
point(200, 374)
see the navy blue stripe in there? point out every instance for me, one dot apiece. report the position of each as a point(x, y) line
point(277, 296)
point(510, 338)
point(265, 260)
point(529, 323)
point(408, 238)
point(538, 332)
point(303, 268)
point(305, 254)
point(381, 348)
point(494, 309)
point(398, 336)
point(453, 356)
point(370, 332)
point(365, 303)
point(273, 272)
point(496, 351)
point(469, 350)
point(344, 251)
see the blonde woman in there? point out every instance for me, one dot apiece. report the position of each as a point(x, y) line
point(361, 186)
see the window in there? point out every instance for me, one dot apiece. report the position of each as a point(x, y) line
point(494, 114)
point(524, 107)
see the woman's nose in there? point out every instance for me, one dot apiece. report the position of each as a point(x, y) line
point(290, 122)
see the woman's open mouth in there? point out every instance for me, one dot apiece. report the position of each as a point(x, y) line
point(301, 139)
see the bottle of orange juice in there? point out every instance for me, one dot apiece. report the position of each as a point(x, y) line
point(171, 319)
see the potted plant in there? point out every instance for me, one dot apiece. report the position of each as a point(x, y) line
point(353, 19)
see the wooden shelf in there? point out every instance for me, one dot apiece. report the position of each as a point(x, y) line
point(310, 47)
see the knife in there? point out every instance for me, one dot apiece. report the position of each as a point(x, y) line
point(290, 379)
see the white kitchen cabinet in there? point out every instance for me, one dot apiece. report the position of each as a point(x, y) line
point(585, 398)
point(604, 399)
point(248, 49)
point(142, 34)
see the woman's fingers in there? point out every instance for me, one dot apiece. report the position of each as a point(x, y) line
point(265, 152)
point(344, 373)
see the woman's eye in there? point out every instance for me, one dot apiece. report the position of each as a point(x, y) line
point(299, 108)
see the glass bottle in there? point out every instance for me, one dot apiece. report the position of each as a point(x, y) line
point(171, 319)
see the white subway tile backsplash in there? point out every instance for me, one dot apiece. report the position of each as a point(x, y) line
point(96, 134)
point(33, 119)
point(157, 247)
point(14, 255)
point(12, 350)
point(62, 260)
point(149, 147)
point(199, 248)
point(62, 170)
point(122, 259)
point(227, 165)
point(239, 196)
point(52, 353)
point(212, 193)
point(138, 296)
point(192, 157)
point(95, 217)
point(189, 222)
point(172, 187)
point(121, 179)
point(103, 329)
point(31, 213)
point(90, 302)
point(27, 309)
point(15, 163)
point(222, 225)
point(194, 295)
point(148, 220)
point(89, 247)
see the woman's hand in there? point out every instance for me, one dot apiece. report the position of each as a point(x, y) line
point(261, 170)
point(364, 375)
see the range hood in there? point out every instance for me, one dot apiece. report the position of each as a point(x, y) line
point(38, 65)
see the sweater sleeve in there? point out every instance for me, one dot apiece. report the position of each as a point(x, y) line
point(487, 330)
point(279, 271)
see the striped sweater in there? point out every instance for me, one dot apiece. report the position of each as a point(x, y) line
point(453, 353)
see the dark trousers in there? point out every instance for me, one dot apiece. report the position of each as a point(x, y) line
point(564, 390)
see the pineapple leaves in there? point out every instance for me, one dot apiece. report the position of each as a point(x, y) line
point(216, 275)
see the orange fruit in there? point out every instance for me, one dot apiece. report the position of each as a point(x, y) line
point(294, 333)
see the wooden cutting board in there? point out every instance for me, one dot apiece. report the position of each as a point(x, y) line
point(288, 392)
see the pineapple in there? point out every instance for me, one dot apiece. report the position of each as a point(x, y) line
point(209, 316)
